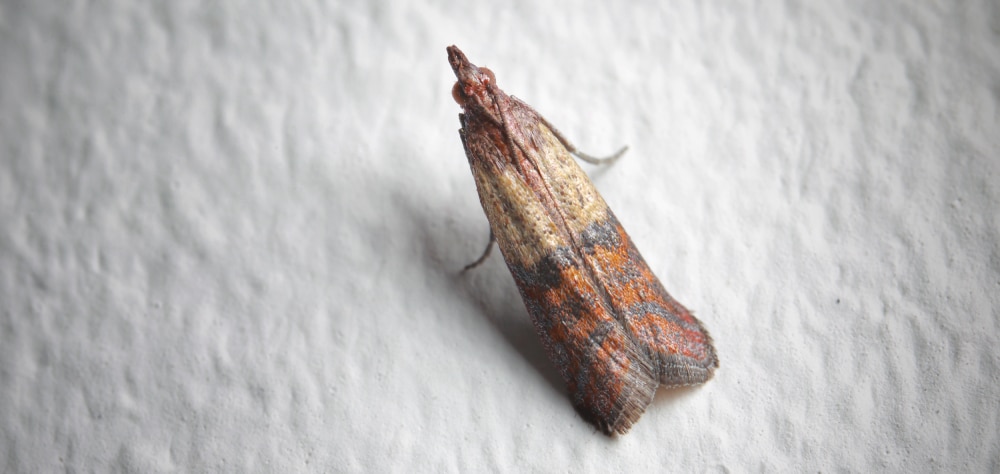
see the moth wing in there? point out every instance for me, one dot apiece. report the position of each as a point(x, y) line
point(677, 343)
point(610, 379)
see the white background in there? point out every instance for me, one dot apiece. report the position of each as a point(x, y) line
point(231, 234)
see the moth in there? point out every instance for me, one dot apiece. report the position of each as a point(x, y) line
point(607, 323)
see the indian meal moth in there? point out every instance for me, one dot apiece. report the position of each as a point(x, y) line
point(607, 323)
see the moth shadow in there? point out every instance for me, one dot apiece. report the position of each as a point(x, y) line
point(671, 395)
point(447, 245)
point(491, 288)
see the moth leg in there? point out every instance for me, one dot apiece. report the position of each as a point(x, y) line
point(486, 253)
point(594, 160)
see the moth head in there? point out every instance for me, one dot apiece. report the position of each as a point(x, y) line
point(474, 83)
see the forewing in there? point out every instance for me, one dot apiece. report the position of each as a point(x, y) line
point(609, 378)
point(679, 346)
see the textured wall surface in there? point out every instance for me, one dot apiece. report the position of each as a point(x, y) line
point(231, 234)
